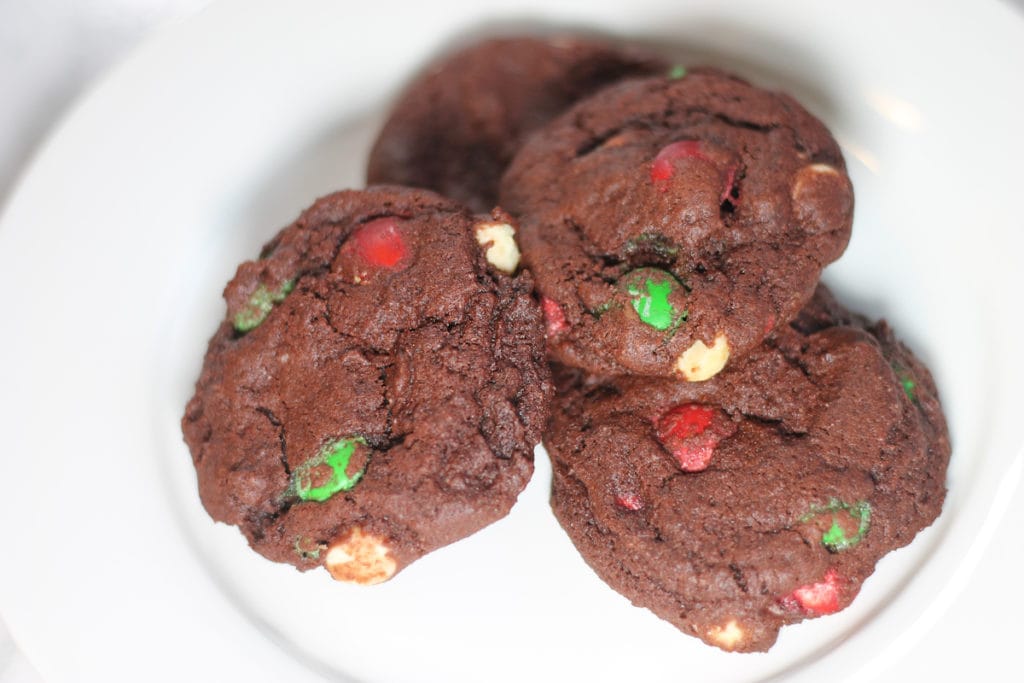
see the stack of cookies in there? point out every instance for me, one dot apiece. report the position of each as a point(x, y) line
point(732, 448)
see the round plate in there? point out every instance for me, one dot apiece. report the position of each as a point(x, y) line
point(119, 238)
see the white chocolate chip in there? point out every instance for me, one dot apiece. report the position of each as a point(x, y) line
point(699, 362)
point(812, 173)
point(727, 637)
point(823, 168)
point(502, 252)
point(822, 199)
point(359, 557)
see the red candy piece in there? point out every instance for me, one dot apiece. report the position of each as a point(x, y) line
point(691, 432)
point(817, 599)
point(554, 317)
point(662, 168)
point(630, 501)
point(730, 183)
point(688, 420)
point(378, 244)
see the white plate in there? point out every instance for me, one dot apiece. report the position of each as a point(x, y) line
point(186, 158)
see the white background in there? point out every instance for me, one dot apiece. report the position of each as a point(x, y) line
point(51, 50)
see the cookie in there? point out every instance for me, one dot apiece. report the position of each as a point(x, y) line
point(376, 388)
point(672, 223)
point(456, 126)
point(762, 497)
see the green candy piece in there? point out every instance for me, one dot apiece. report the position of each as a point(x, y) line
point(337, 456)
point(259, 306)
point(650, 288)
point(906, 381)
point(676, 72)
point(654, 307)
point(307, 549)
point(908, 388)
point(836, 538)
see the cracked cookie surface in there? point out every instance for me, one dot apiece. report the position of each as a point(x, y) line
point(375, 390)
point(457, 125)
point(762, 497)
point(728, 199)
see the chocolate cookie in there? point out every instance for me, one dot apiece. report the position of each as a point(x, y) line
point(377, 387)
point(456, 126)
point(672, 223)
point(762, 497)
